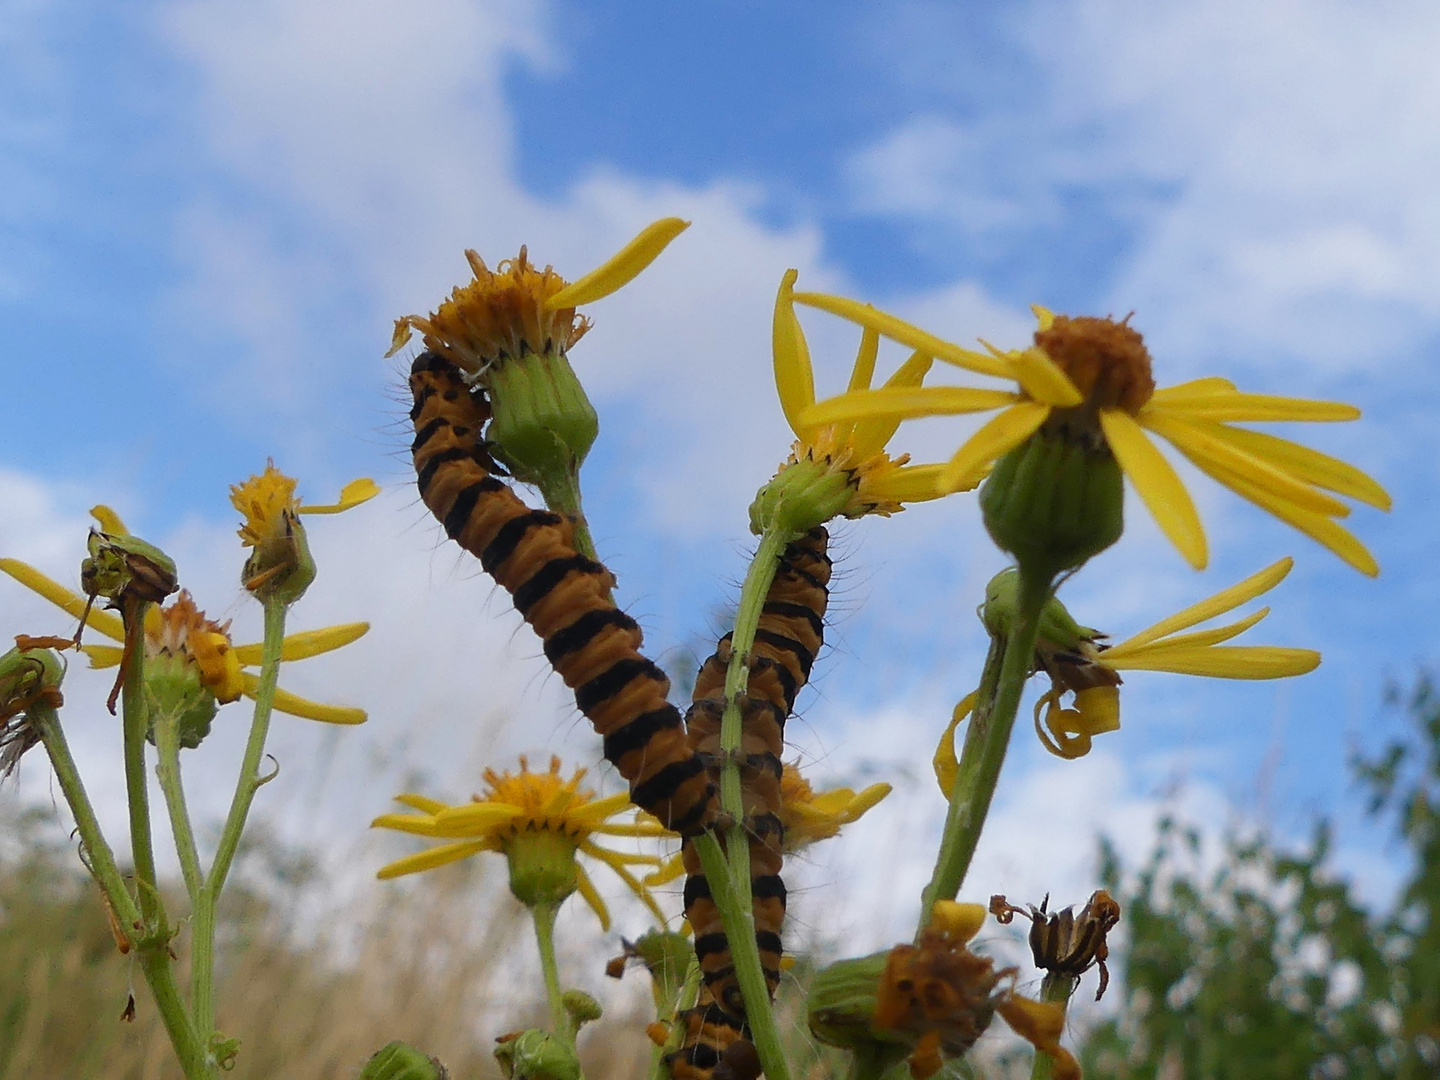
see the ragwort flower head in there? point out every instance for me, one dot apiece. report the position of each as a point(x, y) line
point(192, 653)
point(838, 469)
point(540, 822)
point(1089, 380)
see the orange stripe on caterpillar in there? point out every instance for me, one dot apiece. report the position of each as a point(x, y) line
point(563, 595)
point(789, 635)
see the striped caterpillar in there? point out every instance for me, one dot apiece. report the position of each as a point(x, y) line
point(790, 633)
point(562, 594)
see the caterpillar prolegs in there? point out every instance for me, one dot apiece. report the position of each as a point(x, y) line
point(562, 594)
point(790, 633)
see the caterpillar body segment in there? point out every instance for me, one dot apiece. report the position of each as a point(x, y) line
point(565, 596)
point(789, 635)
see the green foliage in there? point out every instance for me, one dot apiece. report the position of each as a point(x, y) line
point(1269, 965)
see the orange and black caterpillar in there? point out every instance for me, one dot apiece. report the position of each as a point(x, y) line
point(562, 594)
point(790, 632)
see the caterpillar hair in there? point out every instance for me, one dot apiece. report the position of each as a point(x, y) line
point(564, 596)
point(789, 634)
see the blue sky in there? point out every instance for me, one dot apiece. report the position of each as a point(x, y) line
point(210, 215)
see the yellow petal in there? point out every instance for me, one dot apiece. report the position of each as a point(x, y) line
point(422, 802)
point(1199, 639)
point(1043, 316)
point(908, 484)
point(109, 520)
point(431, 858)
point(995, 438)
point(71, 603)
point(638, 828)
point(1227, 406)
point(103, 656)
point(672, 869)
point(1226, 600)
point(1099, 709)
point(906, 334)
point(957, 921)
point(1209, 442)
point(1227, 661)
point(305, 644)
point(401, 336)
point(622, 267)
point(352, 494)
point(476, 818)
point(906, 403)
point(592, 896)
point(871, 436)
point(1041, 1023)
point(295, 705)
point(1039, 376)
point(600, 809)
point(1195, 388)
point(419, 824)
point(1157, 484)
point(794, 377)
point(947, 766)
point(1318, 526)
point(864, 370)
point(1309, 465)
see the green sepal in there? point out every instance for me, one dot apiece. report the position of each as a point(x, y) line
point(840, 1006)
point(126, 567)
point(176, 696)
point(543, 424)
point(802, 495)
point(400, 1062)
point(537, 1055)
point(1054, 502)
point(542, 867)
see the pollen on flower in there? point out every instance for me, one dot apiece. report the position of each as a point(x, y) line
point(1106, 360)
point(502, 313)
point(543, 798)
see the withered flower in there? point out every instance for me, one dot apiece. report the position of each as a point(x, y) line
point(1064, 943)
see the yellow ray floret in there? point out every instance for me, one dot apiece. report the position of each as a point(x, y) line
point(519, 808)
point(1092, 376)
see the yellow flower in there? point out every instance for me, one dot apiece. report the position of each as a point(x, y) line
point(525, 808)
point(517, 309)
point(1090, 670)
point(181, 629)
point(1090, 378)
point(809, 817)
point(875, 482)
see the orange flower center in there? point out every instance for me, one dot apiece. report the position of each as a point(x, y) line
point(1106, 360)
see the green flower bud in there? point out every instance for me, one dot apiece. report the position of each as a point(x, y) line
point(841, 1007)
point(123, 568)
point(582, 1007)
point(543, 424)
point(400, 1062)
point(281, 566)
point(668, 957)
point(802, 495)
point(1054, 502)
point(537, 1055)
point(1001, 612)
point(27, 677)
point(542, 867)
point(177, 697)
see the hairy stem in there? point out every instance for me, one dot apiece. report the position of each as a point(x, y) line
point(167, 768)
point(986, 741)
point(544, 916)
point(135, 722)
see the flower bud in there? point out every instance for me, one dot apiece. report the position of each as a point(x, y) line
point(841, 1005)
point(122, 568)
point(536, 1055)
point(176, 696)
point(543, 424)
point(400, 1062)
point(1054, 501)
point(668, 957)
point(802, 495)
point(281, 566)
point(28, 676)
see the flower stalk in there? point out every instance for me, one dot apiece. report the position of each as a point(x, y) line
point(544, 918)
point(1056, 987)
point(1006, 669)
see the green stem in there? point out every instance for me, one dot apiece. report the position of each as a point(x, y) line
point(688, 994)
point(986, 741)
point(873, 1060)
point(544, 916)
point(134, 726)
point(203, 922)
point(167, 768)
point(1056, 988)
point(561, 492)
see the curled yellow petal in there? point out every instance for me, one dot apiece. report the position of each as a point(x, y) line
point(109, 520)
point(906, 334)
point(352, 494)
point(1157, 484)
point(103, 656)
point(401, 335)
point(1041, 1023)
point(622, 267)
point(958, 921)
point(1262, 581)
point(592, 897)
point(794, 376)
point(947, 765)
point(995, 438)
point(431, 858)
point(1044, 317)
point(672, 869)
point(73, 604)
